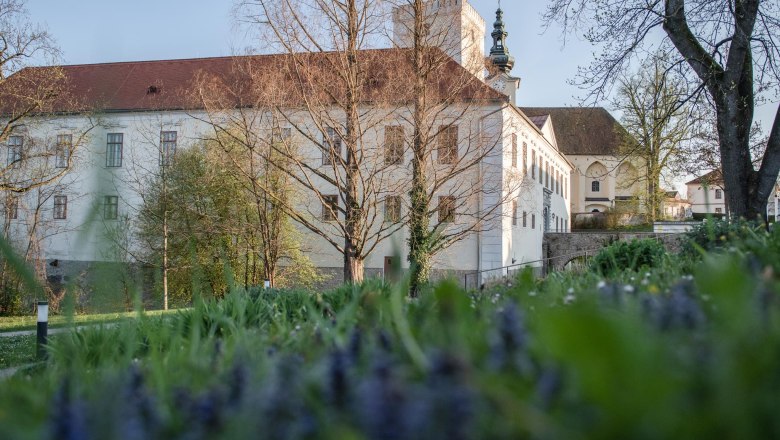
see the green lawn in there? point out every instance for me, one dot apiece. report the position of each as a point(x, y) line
point(17, 323)
point(17, 350)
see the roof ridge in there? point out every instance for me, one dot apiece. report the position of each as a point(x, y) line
point(199, 59)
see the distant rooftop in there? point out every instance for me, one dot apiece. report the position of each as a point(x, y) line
point(581, 130)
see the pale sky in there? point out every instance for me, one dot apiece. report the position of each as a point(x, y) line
point(97, 31)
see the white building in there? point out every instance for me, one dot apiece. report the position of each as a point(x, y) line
point(674, 207)
point(707, 196)
point(603, 177)
point(137, 108)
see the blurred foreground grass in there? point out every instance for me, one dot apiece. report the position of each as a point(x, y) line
point(680, 349)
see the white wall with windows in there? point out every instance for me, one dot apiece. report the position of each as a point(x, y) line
point(706, 199)
point(113, 161)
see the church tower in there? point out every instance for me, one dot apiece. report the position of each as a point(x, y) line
point(452, 25)
point(502, 62)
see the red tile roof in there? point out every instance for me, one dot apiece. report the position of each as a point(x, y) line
point(168, 84)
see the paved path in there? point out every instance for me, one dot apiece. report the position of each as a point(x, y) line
point(8, 372)
point(53, 331)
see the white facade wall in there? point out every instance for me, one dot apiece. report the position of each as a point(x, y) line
point(704, 200)
point(523, 243)
point(86, 236)
point(454, 26)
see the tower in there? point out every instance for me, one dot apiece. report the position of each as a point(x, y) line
point(452, 25)
point(502, 61)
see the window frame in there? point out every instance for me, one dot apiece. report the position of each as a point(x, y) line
point(525, 157)
point(330, 207)
point(15, 150)
point(514, 213)
point(718, 194)
point(514, 150)
point(112, 148)
point(447, 145)
point(111, 203)
point(12, 208)
point(332, 140)
point(60, 210)
point(166, 155)
point(394, 144)
point(595, 186)
point(446, 209)
point(62, 150)
point(392, 209)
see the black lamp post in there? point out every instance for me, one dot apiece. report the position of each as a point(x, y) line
point(43, 328)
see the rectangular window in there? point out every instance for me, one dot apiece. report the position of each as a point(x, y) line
point(565, 188)
point(393, 209)
point(60, 207)
point(446, 209)
point(114, 146)
point(281, 135)
point(525, 219)
point(330, 208)
point(718, 194)
point(111, 208)
point(448, 144)
point(525, 157)
point(62, 152)
point(394, 145)
point(541, 170)
point(546, 174)
point(15, 144)
point(12, 208)
point(718, 210)
point(533, 164)
point(514, 213)
point(514, 150)
point(557, 182)
point(167, 147)
point(332, 143)
point(533, 221)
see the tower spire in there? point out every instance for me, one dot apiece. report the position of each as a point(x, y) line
point(499, 53)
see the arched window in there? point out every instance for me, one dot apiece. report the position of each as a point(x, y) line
point(595, 210)
point(595, 186)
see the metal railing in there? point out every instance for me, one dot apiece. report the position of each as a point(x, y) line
point(478, 279)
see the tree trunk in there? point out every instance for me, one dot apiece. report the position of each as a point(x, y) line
point(739, 178)
point(353, 215)
point(354, 269)
point(419, 217)
point(165, 260)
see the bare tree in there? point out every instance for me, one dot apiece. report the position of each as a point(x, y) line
point(25, 91)
point(731, 53)
point(331, 92)
point(29, 220)
point(658, 128)
point(455, 132)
